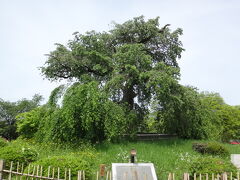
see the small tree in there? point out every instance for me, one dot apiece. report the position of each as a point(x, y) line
point(8, 112)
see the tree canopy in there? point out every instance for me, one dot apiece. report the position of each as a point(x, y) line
point(132, 61)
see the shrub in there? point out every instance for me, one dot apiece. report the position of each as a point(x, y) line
point(199, 147)
point(27, 122)
point(74, 161)
point(211, 165)
point(3, 142)
point(21, 154)
point(213, 148)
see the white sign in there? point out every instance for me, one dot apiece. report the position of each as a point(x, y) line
point(235, 159)
point(133, 171)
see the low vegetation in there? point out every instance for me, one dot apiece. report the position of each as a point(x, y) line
point(212, 148)
point(3, 142)
point(167, 156)
point(209, 165)
point(18, 152)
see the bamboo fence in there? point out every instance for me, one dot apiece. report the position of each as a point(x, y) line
point(36, 172)
point(212, 176)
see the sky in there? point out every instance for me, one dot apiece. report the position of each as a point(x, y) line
point(29, 29)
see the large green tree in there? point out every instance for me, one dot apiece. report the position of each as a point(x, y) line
point(134, 62)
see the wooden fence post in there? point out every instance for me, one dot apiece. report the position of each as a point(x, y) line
point(10, 171)
point(69, 174)
point(185, 176)
point(224, 176)
point(1, 168)
point(195, 176)
point(171, 176)
point(79, 175)
point(97, 175)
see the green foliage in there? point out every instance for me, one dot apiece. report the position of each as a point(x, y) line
point(198, 117)
point(8, 112)
point(86, 113)
point(17, 152)
point(38, 123)
point(28, 123)
point(117, 121)
point(225, 118)
point(215, 148)
point(185, 112)
point(3, 142)
point(55, 95)
point(81, 114)
point(74, 161)
point(133, 63)
point(194, 115)
point(183, 108)
point(211, 165)
point(212, 148)
point(231, 122)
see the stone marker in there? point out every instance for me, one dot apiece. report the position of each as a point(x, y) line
point(133, 171)
point(235, 159)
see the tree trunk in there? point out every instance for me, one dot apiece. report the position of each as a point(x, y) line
point(128, 96)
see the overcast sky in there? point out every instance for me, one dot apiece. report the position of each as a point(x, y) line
point(29, 29)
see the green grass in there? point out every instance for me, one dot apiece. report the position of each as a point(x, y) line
point(167, 155)
point(233, 148)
